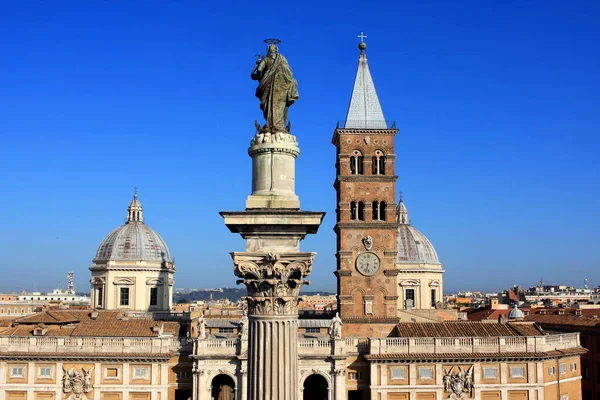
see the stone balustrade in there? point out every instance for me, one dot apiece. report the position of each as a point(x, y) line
point(100, 345)
point(474, 345)
point(362, 345)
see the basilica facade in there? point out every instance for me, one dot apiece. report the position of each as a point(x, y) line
point(392, 339)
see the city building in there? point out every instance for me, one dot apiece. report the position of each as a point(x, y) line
point(393, 338)
point(130, 346)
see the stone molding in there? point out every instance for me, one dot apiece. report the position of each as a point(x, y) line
point(281, 147)
point(367, 178)
point(343, 273)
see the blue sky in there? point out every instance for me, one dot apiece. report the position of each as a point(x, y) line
point(497, 105)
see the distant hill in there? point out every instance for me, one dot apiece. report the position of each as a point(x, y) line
point(232, 294)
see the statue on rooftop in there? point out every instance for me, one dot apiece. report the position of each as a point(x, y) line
point(201, 326)
point(277, 89)
point(335, 329)
point(243, 327)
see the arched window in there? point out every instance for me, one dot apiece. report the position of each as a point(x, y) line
point(378, 163)
point(379, 211)
point(356, 163)
point(353, 210)
point(361, 211)
point(375, 211)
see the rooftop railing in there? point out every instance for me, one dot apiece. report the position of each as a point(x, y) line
point(68, 345)
point(363, 345)
point(306, 346)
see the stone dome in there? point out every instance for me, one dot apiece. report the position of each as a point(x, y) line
point(413, 247)
point(134, 240)
point(515, 313)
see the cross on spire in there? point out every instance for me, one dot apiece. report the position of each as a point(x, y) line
point(362, 37)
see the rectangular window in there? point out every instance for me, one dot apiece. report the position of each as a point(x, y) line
point(99, 294)
point(153, 296)
point(398, 373)
point(353, 376)
point(140, 373)
point(573, 366)
point(409, 301)
point(45, 372)
point(433, 298)
point(313, 330)
point(551, 370)
point(562, 369)
point(490, 373)
point(17, 372)
point(425, 373)
point(516, 372)
point(183, 374)
point(368, 307)
point(111, 373)
point(225, 330)
point(124, 301)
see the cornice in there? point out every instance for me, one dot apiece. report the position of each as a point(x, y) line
point(365, 225)
point(367, 178)
point(85, 357)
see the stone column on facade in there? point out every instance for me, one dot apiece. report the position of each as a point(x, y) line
point(195, 380)
point(244, 383)
point(340, 381)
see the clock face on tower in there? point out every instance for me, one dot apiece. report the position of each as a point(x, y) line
point(367, 263)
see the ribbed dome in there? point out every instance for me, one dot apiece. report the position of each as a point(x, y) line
point(413, 247)
point(515, 313)
point(133, 241)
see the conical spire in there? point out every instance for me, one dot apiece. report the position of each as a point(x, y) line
point(134, 211)
point(402, 212)
point(364, 111)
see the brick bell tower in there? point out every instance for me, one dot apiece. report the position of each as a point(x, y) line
point(366, 225)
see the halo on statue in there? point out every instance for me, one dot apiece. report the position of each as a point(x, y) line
point(272, 41)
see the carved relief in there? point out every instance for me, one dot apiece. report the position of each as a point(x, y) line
point(273, 281)
point(368, 242)
point(77, 383)
point(267, 137)
point(459, 383)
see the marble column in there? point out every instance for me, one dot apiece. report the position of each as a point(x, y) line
point(340, 383)
point(272, 267)
point(273, 282)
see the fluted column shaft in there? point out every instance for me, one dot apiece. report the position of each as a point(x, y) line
point(273, 358)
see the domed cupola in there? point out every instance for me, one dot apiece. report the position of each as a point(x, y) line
point(420, 273)
point(413, 247)
point(134, 240)
point(133, 269)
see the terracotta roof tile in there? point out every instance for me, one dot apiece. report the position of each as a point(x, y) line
point(80, 323)
point(459, 329)
point(567, 319)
